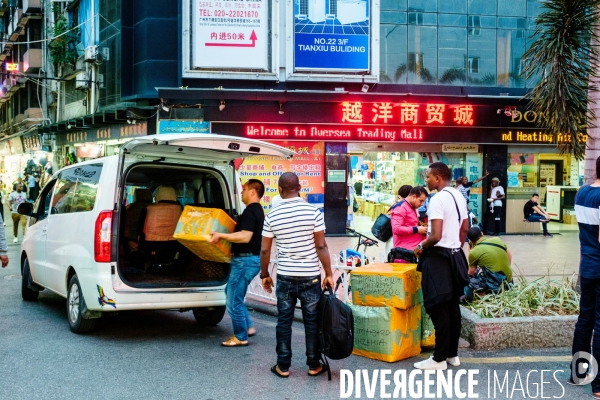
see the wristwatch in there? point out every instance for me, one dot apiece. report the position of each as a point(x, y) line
point(264, 276)
point(419, 247)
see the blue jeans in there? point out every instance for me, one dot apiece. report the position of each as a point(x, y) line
point(243, 270)
point(588, 323)
point(289, 290)
point(535, 217)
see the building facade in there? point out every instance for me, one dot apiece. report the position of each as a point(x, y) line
point(363, 90)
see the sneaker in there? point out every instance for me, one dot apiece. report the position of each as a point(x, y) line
point(430, 363)
point(454, 361)
point(15, 240)
point(547, 235)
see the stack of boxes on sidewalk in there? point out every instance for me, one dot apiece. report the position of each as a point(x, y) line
point(390, 323)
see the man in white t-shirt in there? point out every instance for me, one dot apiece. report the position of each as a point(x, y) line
point(444, 266)
point(495, 200)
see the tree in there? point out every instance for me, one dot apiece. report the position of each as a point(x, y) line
point(564, 60)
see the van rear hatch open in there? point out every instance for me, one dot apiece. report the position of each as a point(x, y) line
point(207, 149)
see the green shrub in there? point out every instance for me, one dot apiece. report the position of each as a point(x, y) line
point(541, 297)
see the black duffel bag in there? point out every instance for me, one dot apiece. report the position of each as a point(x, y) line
point(400, 253)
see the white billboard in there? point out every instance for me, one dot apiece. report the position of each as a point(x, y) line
point(230, 34)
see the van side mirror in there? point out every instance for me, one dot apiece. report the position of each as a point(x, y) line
point(25, 209)
point(53, 211)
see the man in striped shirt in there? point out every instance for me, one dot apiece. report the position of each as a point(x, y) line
point(300, 232)
point(587, 210)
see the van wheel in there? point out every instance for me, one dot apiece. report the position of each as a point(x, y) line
point(75, 306)
point(209, 316)
point(26, 293)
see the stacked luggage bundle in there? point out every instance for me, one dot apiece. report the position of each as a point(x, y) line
point(390, 323)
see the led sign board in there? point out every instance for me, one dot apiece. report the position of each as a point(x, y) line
point(383, 133)
point(12, 67)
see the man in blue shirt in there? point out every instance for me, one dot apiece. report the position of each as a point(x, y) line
point(587, 210)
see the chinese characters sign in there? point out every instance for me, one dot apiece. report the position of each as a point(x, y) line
point(230, 34)
point(307, 164)
point(332, 36)
point(407, 114)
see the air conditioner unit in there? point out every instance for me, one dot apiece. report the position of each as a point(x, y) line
point(91, 52)
point(82, 81)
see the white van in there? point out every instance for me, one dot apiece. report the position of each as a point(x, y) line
point(93, 235)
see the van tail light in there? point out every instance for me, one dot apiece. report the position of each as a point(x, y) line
point(103, 237)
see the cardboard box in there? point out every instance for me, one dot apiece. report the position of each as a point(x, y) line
point(386, 284)
point(427, 329)
point(386, 333)
point(194, 228)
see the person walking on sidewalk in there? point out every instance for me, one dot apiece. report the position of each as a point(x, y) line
point(17, 197)
point(245, 261)
point(300, 232)
point(3, 246)
point(444, 266)
point(534, 213)
point(587, 206)
point(495, 200)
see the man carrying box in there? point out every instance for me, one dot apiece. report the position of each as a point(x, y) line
point(245, 261)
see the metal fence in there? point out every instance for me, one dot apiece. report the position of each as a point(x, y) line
point(340, 267)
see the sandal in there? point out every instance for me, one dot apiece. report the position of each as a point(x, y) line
point(279, 374)
point(322, 371)
point(234, 342)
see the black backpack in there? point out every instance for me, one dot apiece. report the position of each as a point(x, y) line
point(335, 325)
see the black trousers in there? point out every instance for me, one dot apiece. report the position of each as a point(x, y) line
point(446, 321)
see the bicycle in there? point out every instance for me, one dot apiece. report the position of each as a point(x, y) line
point(355, 254)
point(354, 258)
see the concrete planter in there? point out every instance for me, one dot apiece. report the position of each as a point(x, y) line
point(517, 332)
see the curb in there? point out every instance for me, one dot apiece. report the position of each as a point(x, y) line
point(517, 332)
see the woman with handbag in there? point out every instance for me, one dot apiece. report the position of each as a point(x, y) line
point(405, 223)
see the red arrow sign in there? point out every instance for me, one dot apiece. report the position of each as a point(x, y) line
point(253, 38)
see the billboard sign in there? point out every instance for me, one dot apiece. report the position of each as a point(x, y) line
point(230, 34)
point(332, 35)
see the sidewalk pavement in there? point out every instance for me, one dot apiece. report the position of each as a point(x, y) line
point(533, 256)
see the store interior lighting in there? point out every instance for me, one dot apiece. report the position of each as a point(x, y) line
point(222, 105)
point(281, 112)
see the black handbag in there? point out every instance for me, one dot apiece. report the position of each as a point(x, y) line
point(355, 206)
point(382, 228)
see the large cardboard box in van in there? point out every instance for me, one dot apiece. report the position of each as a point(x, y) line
point(194, 228)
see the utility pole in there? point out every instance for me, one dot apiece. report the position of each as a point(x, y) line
point(93, 93)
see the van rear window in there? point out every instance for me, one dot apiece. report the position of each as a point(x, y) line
point(76, 189)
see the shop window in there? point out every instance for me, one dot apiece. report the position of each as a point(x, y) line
point(76, 189)
point(474, 22)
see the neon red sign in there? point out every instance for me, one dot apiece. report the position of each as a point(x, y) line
point(407, 113)
point(333, 132)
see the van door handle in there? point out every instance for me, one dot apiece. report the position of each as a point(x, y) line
point(45, 229)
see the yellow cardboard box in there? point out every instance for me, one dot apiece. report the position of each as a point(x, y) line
point(386, 333)
point(385, 284)
point(194, 228)
point(427, 329)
